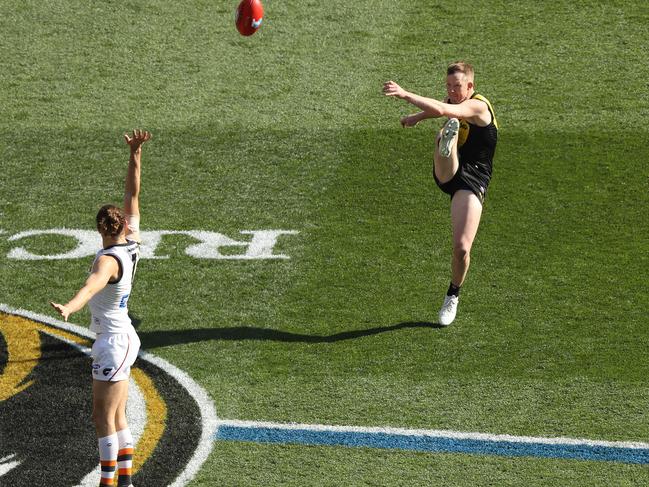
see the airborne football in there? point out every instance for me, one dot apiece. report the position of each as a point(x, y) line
point(248, 17)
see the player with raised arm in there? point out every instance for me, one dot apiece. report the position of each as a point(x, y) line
point(106, 291)
point(462, 162)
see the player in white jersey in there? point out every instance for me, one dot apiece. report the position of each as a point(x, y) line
point(106, 291)
point(109, 306)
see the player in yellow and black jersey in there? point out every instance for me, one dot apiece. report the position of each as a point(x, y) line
point(476, 147)
point(463, 162)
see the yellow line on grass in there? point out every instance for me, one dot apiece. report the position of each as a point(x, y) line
point(23, 344)
point(156, 419)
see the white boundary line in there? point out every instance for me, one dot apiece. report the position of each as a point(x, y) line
point(7, 463)
point(206, 406)
point(211, 422)
point(135, 409)
point(455, 435)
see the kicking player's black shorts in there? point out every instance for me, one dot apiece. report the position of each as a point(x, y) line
point(468, 177)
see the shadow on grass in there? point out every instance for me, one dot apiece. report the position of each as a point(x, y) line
point(155, 339)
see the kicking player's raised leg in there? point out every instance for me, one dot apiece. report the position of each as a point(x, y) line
point(445, 159)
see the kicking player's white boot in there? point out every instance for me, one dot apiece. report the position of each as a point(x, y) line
point(449, 131)
point(449, 310)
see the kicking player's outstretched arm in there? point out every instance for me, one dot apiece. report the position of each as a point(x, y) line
point(132, 187)
point(431, 108)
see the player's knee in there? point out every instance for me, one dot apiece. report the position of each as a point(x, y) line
point(461, 251)
point(101, 417)
point(120, 422)
point(102, 423)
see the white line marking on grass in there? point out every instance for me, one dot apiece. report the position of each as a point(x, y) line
point(7, 464)
point(208, 418)
point(205, 404)
point(433, 441)
point(440, 441)
point(432, 433)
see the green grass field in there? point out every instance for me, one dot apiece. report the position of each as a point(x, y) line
point(288, 129)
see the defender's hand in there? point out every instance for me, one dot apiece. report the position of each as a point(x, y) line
point(136, 140)
point(62, 310)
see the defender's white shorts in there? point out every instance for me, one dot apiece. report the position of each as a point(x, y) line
point(113, 354)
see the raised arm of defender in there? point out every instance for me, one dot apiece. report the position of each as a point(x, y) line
point(132, 186)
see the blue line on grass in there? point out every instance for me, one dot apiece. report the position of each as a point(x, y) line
point(438, 444)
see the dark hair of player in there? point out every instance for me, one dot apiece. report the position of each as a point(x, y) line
point(110, 221)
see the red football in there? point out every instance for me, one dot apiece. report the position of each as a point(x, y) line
point(248, 17)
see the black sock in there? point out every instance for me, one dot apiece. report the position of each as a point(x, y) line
point(453, 290)
point(123, 481)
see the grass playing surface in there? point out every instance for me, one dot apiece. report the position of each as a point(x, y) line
point(288, 130)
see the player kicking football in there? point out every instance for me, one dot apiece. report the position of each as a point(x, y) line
point(462, 162)
point(106, 291)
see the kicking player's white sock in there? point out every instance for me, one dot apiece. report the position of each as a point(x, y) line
point(124, 457)
point(108, 448)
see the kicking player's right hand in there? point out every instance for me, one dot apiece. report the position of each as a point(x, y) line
point(409, 121)
point(390, 88)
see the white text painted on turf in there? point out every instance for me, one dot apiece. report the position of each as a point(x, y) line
point(209, 245)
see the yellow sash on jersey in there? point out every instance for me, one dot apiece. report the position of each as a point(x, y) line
point(463, 134)
point(464, 125)
point(491, 109)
